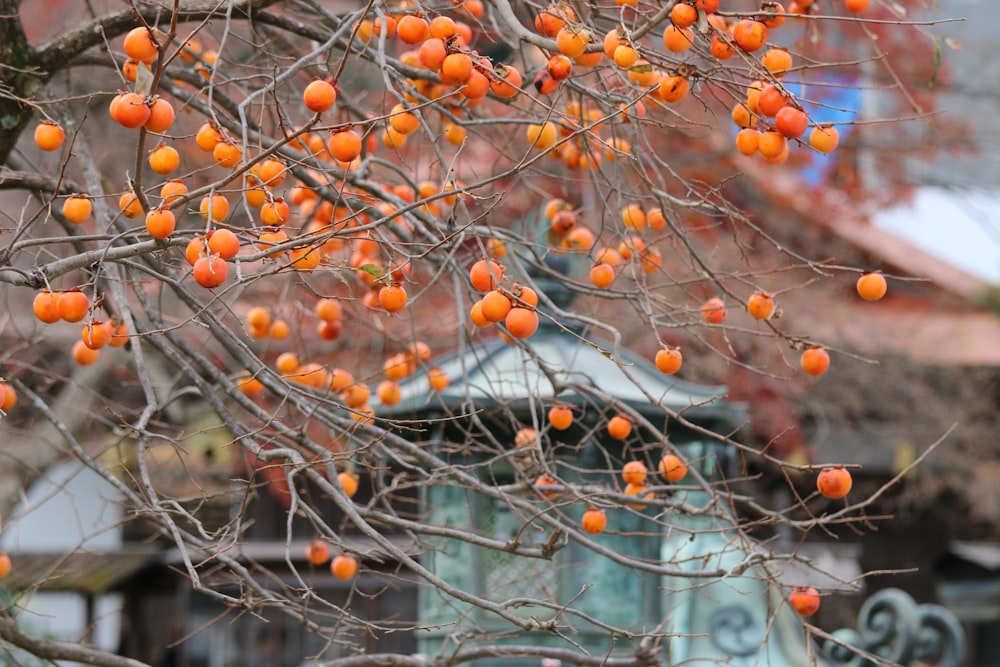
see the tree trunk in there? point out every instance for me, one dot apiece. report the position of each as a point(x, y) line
point(18, 77)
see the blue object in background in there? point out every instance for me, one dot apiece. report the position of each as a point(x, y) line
point(836, 101)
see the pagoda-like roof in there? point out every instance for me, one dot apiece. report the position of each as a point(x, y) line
point(558, 363)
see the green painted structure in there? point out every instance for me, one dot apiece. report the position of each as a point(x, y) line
point(741, 619)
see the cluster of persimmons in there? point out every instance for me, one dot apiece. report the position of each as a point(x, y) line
point(299, 226)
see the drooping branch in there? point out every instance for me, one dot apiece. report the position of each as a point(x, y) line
point(641, 658)
point(54, 649)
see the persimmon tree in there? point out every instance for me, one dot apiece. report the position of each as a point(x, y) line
point(283, 211)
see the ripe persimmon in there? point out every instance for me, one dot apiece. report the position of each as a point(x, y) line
point(392, 298)
point(871, 286)
point(580, 239)
point(210, 271)
point(455, 69)
point(777, 60)
point(634, 217)
point(226, 154)
point(317, 552)
point(130, 110)
point(677, 39)
point(741, 115)
point(258, 317)
point(521, 322)
point(140, 45)
point(269, 239)
point(549, 21)
point(495, 305)
point(437, 379)
point(95, 335)
point(83, 355)
point(525, 297)
point(815, 360)
point(602, 275)
point(791, 122)
point(164, 159)
point(412, 29)
point(713, 311)
point(805, 600)
point(224, 243)
point(563, 222)
point(542, 485)
point(572, 41)
point(160, 223)
point(271, 172)
point(560, 417)
point(77, 209)
point(486, 274)
point(771, 144)
point(619, 427)
point(248, 385)
point(275, 212)
point(669, 360)
point(319, 96)
point(129, 205)
point(306, 258)
point(683, 15)
point(280, 330)
point(348, 482)
point(770, 100)
point(748, 141)
point(760, 305)
point(672, 468)
point(345, 145)
point(559, 68)
point(505, 81)
point(824, 138)
point(344, 567)
point(594, 521)
point(172, 191)
point(214, 207)
point(774, 14)
point(49, 136)
point(834, 483)
point(8, 399)
point(673, 88)
point(639, 491)
point(161, 116)
point(5, 565)
point(542, 136)
point(625, 56)
point(634, 472)
point(389, 392)
point(721, 48)
point(119, 333)
point(328, 310)
point(45, 307)
point(208, 136)
point(442, 27)
point(72, 305)
point(750, 35)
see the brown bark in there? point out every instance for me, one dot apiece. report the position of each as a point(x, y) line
point(18, 76)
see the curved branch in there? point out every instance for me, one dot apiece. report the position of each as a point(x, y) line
point(54, 649)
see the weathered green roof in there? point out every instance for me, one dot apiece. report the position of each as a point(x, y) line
point(559, 363)
point(77, 572)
